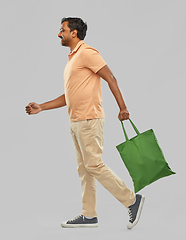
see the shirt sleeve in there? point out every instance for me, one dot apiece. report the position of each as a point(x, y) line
point(92, 59)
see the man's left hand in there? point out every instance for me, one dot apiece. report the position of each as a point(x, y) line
point(123, 115)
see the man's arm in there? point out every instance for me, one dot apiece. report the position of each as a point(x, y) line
point(108, 76)
point(34, 108)
point(56, 103)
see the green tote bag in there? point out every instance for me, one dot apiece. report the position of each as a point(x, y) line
point(143, 158)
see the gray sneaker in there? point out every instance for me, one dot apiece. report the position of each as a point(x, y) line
point(135, 211)
point(80, 221)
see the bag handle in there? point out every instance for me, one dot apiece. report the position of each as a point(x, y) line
point(135, 129)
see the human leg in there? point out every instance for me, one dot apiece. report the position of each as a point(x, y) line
point(88, 181)
point(90, 152)
point(89, 135)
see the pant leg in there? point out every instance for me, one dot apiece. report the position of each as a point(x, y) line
point(90, 139)
point(88, 181)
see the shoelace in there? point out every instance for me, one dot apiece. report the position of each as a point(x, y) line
point(130, 214)
point(79, 216)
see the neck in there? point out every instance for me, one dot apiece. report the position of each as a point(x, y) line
point(74, 43)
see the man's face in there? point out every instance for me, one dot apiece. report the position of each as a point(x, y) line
point(65, 34)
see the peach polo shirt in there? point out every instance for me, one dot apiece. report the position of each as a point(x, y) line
point(83, 92)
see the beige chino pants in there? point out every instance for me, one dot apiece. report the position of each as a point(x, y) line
point(87, 136)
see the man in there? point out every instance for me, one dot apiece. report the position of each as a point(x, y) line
point(83, 97)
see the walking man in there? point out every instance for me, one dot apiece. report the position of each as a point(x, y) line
point(83, 98)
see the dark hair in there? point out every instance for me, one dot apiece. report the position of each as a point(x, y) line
point(78, 24)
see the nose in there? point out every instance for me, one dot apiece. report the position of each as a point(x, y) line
point(59, 35)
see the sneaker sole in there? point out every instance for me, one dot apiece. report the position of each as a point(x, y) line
point(131, 225)
point(64, 225)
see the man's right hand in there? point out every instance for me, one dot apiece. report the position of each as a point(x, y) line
point(33, 108)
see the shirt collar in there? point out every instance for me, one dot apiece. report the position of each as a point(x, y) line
point(76, 47)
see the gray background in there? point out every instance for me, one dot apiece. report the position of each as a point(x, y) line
point(143, 42)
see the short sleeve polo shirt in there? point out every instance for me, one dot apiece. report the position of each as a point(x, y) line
point(83, 92)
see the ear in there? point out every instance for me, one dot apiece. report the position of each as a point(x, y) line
point(74, 33)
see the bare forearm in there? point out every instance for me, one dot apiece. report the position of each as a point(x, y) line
point(108, 76)
point(117, 93)
point(56, 103)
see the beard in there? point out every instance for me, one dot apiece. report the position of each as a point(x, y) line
point(64, 43)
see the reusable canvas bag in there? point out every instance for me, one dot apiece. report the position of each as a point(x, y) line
point(143, 158)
